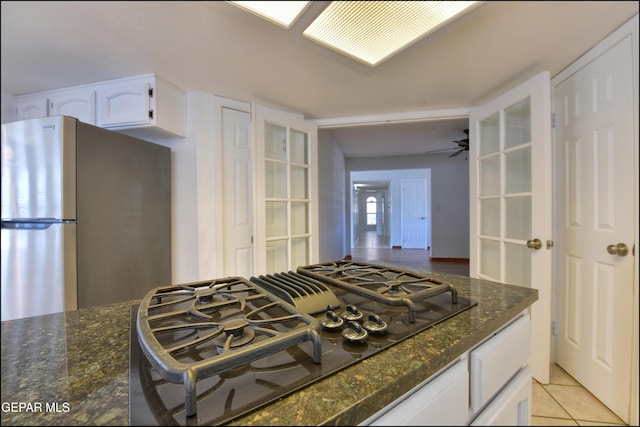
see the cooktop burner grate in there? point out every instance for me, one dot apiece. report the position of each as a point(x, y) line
point(387, 285)
point(197, 330)
point(209, 352)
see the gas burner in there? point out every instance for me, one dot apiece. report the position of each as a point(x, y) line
point(384, 284)
point(247, 343)
point(193, 331)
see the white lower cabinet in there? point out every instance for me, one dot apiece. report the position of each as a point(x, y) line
point(439, 402)
point(488, 385)
point(493, 363)
point(512, 406)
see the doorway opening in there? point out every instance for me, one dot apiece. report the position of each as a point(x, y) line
point(378, 215)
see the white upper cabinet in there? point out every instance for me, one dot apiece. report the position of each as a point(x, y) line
point(78, 104)
point(142, 106)
point(125, 104)
point(31, 107)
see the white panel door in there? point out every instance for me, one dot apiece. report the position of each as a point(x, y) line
point(510, 201)
point(238, 193)
point(414, 213)
point(594, 143)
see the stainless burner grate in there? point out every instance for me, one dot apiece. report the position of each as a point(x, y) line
point(200, 329)
point(387, 285)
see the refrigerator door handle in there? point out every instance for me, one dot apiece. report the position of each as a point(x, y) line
point(25, 224)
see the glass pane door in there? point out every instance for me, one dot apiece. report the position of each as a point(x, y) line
point(287, 192)
point(504, 147)
point(510, 200)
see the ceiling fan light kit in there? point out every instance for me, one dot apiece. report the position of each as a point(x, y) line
point(463, 145)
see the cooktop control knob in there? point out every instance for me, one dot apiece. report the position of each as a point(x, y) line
point(352, 313)
point(331, 321)
point(354, 332)
point(375, 324)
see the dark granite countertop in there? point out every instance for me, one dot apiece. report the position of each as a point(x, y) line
point(72, 368)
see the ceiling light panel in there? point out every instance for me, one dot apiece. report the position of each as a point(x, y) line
point(283, 13)
point(372, 31)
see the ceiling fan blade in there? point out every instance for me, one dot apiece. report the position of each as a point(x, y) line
point(457, 152)
point(442, 149)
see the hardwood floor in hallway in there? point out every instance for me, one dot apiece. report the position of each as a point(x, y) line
point(371, 247)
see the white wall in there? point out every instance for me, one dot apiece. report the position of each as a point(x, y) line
point(332, 205)
point(195, 160)
point(7, 107)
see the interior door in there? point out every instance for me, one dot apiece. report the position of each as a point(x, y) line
point(238, 193)
point(595, 202)
point(510, 201)
point(414, 213)
point(286, 191)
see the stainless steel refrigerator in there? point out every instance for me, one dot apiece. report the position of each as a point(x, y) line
point(86, 216)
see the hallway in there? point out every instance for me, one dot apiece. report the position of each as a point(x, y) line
point(370, 239)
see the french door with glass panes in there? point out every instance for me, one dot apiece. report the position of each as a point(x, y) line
point(286, 191)
point(510, 201)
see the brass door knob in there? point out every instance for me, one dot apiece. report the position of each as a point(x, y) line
point(620, 249)
point(534, 244)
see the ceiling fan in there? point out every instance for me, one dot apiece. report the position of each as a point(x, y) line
point(463, 145)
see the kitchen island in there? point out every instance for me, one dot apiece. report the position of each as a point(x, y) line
point(72, 368)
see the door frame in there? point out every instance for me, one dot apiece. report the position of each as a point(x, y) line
point(631, 27)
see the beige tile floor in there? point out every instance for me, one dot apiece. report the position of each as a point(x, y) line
point(564, 402)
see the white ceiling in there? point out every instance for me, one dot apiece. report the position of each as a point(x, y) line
point(217, 48)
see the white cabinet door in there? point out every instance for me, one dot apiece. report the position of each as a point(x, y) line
point(124, 103)
point(495, 361)
point(442, 401)
point(81, 105)
point(512, 407)
point(31, 107)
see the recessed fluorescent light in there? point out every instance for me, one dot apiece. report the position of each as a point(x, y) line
point(371, 31)
point(280, 12)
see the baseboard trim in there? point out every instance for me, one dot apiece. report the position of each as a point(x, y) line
point(449, 259)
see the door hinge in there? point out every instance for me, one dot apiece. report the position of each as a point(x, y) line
point(553, 328)
point(151, 114)
point(150, 92)
point(553, 120)
point(251, 239)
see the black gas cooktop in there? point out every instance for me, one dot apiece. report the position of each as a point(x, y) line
point(353, 327)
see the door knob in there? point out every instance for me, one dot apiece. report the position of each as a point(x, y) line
point(534, 244)
point(620, 249)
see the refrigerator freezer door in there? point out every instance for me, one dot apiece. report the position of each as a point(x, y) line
point(38, 268)
point(38, 168)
